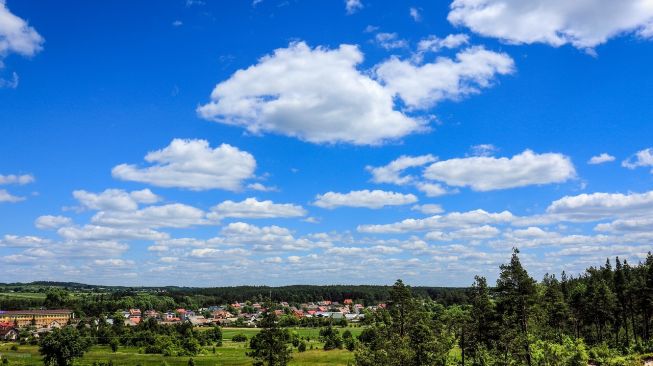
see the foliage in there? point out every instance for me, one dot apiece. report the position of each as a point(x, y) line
point(270, 346)
point(62, 346)
point(240, 337)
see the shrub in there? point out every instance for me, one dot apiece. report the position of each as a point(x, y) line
point(301, 347)
point(239, 338)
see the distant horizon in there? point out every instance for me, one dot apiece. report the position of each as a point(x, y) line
point(273, 142)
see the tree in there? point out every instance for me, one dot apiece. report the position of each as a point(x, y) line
point(270, 346)
point(516, 295)
point(331, 338)
point(405, 334)
point(215, 335)
point(62, 346)
point(114, 345)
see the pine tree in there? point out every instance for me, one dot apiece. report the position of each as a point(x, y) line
point(270, 346)
point(516, 293)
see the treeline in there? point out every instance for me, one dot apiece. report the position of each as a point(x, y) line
point(97, 303)
point(603, 315)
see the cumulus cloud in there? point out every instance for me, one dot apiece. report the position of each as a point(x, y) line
point(94, 232)
point(423, 85)
point(16, 179)
point(489, 173)
point(194, 165)
point(583, 24)
point(314, 94)
point(8, 197)
point(364, 198)
point(391, 173)
point(174, 215)
point(600, 159)
point(353, 6)
point(113, 262)
point(115, 199)
point(429, 208)
point(15, 241)
point(483, 150)
point(415, 14)
point(253, 209)
point(642, 158)
point(47, 222)
point(467, 234)
point(597, 206)
point(434, 43)
point(16, 36)
point(433, 189)
point(390, 41)
point(454, 220)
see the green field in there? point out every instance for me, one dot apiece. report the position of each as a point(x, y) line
point(229, 353)
point(22, 295)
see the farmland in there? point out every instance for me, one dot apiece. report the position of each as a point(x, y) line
point(230, 353)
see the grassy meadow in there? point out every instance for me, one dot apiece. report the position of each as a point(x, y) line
point(230, 353)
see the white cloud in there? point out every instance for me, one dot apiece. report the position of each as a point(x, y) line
point(391, 173)
point(194, 165)
point(8, 197)
point(483, 150)
point(48, 222)
point(467, 234)
point(627, 225)
point(16, 179)
point(429, 209)
point(16, 36)
point(94, 232)
point(597, 206)
point(422, 86)
point(14, 241)
point(174, 215)
point(113, 262)
point(432, 189)
point(353, 6)
point(390, 41)
point(317, 95)
point(253, 209)
point(433, 43)
point(415, 14)
point(489, 173)
point(115, 199)
point(454, 220)
point(600, 159)
point(583, 24)
point(261, 188)
point(364, 198)
point(642, 158)
point(266, 238)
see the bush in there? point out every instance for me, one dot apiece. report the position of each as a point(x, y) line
point(14, 347)
point(568, 353)
point(301, 347)
point(331, 338)
point(239, 338)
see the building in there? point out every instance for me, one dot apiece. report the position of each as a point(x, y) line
point(37, 318)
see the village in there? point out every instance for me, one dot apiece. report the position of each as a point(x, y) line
point(238, 314)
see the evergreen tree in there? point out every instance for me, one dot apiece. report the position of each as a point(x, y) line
point(516, 295)
point(270, 346)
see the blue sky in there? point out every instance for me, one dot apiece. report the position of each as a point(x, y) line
point(282, 142)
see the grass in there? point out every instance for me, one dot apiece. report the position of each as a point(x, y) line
point(229, 354)
point(22, 295)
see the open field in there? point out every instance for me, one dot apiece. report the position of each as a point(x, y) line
point(229, 353)
point(22, 295)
